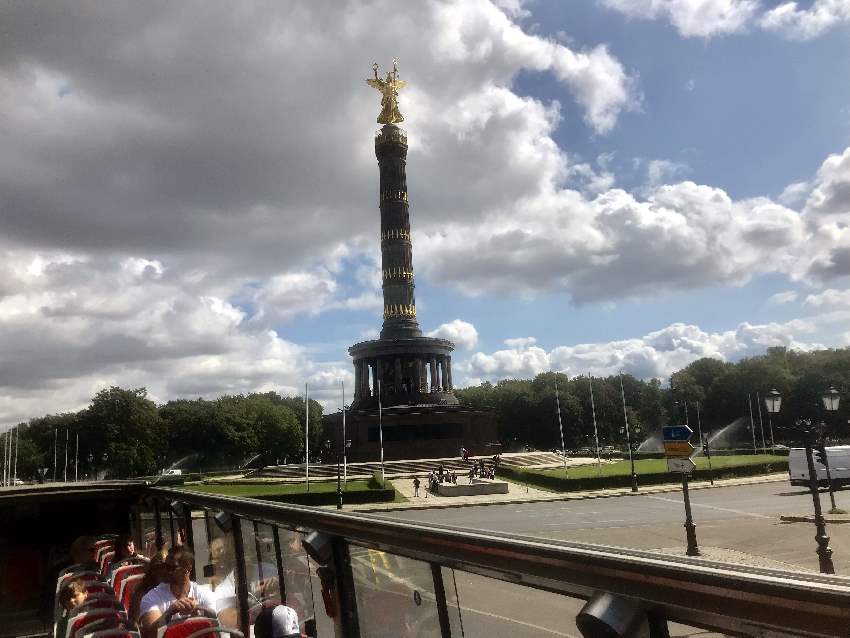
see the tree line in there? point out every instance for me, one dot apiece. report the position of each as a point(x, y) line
point(123, 433)
point(708, 392)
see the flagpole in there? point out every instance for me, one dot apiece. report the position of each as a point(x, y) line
point(761, 423)
point(595, 430)
point(307, 434)
point(17, 443)
point(560, 425)
point(55, 440)
point(628, 435)
point(77, 459)
point(344, 446)
point(752, 423)
point(381, 434)
point(65, 476)
point(3, 478)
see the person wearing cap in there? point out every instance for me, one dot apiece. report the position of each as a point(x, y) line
point(277, 622)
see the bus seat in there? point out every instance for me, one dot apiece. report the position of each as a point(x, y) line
point(128, 586)
point(80, 621)
point(105, 560)
point(215, 632)
point(121, 573)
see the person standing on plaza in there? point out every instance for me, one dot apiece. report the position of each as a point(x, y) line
point(416, 486)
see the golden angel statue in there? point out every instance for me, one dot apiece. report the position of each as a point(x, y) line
point(389, 89)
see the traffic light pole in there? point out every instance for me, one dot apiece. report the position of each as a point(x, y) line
point(823, 458)
point(707, 451)
point(823, 550)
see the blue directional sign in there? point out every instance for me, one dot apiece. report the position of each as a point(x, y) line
point(676, 432)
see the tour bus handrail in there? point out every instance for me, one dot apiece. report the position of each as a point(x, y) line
point(718, 596)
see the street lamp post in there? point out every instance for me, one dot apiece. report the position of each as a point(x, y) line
point(830, 400)
point(806, 431)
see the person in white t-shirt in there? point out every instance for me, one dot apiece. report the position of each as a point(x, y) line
point(177, 595)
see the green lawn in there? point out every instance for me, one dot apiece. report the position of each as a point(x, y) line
point(655, 466)
point(279, 489)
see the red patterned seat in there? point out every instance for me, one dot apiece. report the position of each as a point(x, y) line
point(124, 572)
point(127, 588)
point(186, 626)
point(79, 621)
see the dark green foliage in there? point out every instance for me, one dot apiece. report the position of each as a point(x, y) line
point(123, 433)
point(560, 484)
point(707, 392)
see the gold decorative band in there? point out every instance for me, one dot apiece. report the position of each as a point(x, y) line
point(396, 311)
point(395, 233)
point(399, 136)
point(393, 196)
point(397, 273)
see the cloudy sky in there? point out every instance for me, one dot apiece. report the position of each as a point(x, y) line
point(188, 191)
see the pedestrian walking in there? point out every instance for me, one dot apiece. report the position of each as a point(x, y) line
point(416, 487)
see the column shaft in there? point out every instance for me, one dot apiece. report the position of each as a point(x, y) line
point(433, 364)
point(450, 387)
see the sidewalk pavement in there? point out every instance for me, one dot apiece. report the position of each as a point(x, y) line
point(519, 493)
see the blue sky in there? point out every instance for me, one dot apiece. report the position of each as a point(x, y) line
point(189, 205)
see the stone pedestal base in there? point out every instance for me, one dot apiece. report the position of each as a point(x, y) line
point(475, 488)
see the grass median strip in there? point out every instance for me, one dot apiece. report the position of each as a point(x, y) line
point(320, 493)
point(649, 471)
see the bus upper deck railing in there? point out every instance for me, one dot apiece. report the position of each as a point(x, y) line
point(733, 599)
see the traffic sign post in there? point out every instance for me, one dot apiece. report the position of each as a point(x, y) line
point(678, 450)
point(686, 466)
point(676, 432)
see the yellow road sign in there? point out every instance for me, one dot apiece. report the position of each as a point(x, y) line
point(678, 449)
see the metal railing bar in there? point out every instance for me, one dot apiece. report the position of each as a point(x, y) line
point(694, 592)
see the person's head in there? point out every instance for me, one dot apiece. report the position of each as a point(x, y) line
point(125, 546)
point(277, 622)
point(178, 564)
point(73, 594)
point(82, 549)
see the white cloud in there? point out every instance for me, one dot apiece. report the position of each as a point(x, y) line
point(829, 297)
point(462, 333)
point(682, 236)
point(707, 18)
point(780, 298)
point(659, 171)
point(690, 85)
point(794, 194)
point(162, 232)
point(655, 355)
point(519, 343)
point(692, 18)
point(804, 24)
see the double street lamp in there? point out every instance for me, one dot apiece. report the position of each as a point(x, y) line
point(811, 436)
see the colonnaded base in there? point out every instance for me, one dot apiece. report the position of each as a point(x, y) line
point(477, 487)
point(414, 432)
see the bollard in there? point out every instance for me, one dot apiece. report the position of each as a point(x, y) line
point(609, 616)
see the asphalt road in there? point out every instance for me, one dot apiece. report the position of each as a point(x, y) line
point(742, 518)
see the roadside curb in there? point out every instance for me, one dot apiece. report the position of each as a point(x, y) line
point(828, 518)
point(581, 496)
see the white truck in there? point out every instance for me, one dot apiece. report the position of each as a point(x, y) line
point(839, 465)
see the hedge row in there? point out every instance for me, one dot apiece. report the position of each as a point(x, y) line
point(329, 498)
point(724, 452)
point(562, 484)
